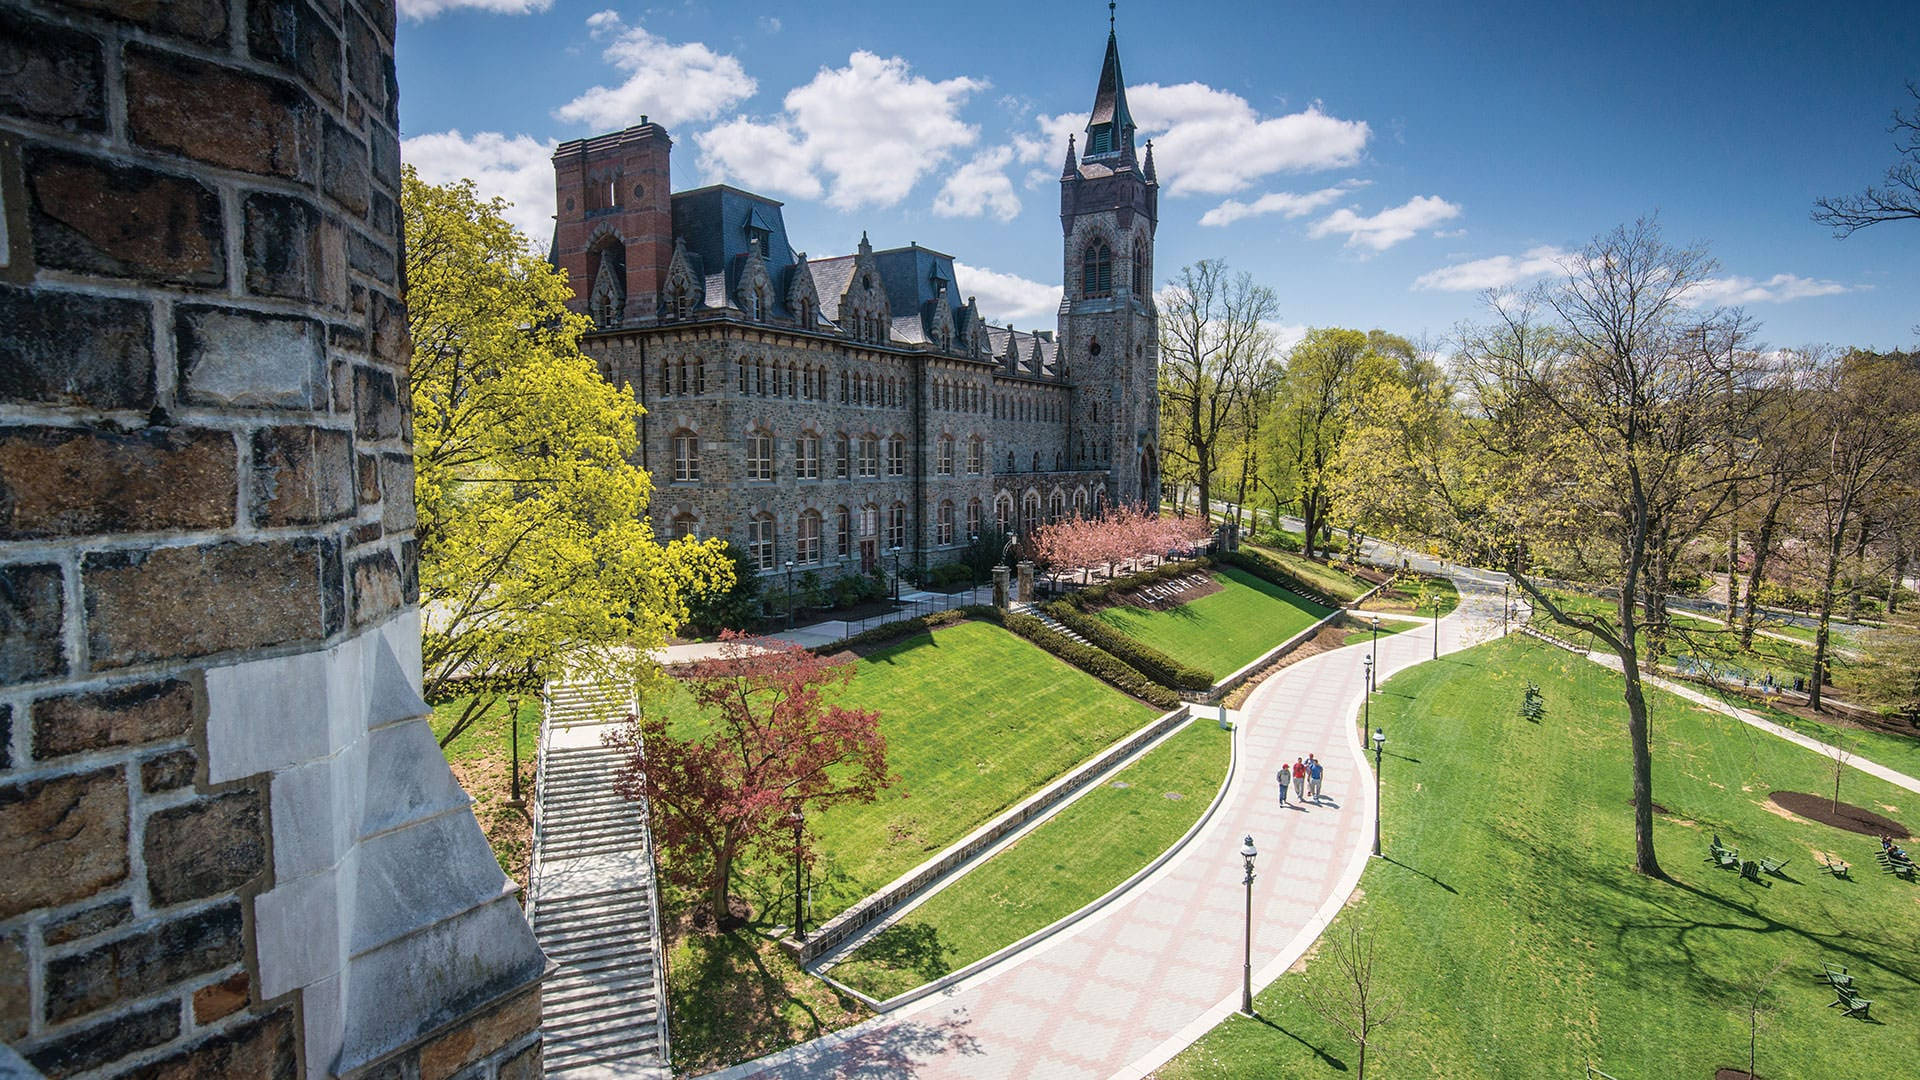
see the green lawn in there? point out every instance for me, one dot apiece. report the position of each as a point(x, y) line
point(1520, 944)
point(1335, 584)
point(1224, 631)
point(975, 720)
point(1404, 596)
point(1387, 626)
point(1060, 867)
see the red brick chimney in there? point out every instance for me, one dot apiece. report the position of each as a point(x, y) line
point(613, 199)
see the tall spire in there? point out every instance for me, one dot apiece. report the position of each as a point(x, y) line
point(1148, 168)
point(1071, 170)
point(1110, 127)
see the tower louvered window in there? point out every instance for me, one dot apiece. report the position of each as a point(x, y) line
point(1096, 270)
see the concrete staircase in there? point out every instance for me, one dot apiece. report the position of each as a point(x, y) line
point(1051, 623)
point(594, 907)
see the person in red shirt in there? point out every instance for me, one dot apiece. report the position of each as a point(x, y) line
point(1299, 779)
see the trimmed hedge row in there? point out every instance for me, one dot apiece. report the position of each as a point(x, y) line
point(903, 628)
point(1269, 571)
point(1106, 668)
point(1099, 596)
point(1151, 662)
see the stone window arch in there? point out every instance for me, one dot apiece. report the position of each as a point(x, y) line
point(842, 455)
point(760, 454)
point(760, 540)
point(806, 542)
point(1030, 510)
point(1002, 511)
point(685, 525)
point(976, 455)
point(1057, 505)
point(842, 531)
point(1142, 273)
point(897, 455)
point(806, 456)
point(943, 524)
point(943, 464)
point(897, 525)
point(869, 455)
point(1096, 269)
point(686, 455)
point(869, 521)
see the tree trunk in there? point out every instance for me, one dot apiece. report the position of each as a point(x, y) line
point(1820, 636)
point(1638, 736)
point(1733, 558)
point(1899, 575)
point(717, 888)
point(1855, 582)
point(1762, 546)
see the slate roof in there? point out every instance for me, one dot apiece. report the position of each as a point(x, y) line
point(830, 277)
point(713, 221)
point(1024, 341)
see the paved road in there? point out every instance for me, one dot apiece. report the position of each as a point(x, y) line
point(1123, 991)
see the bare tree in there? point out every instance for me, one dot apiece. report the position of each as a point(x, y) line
point(1782, 464)
point(1213, 343)
point(1604, 436)
point(1344, 994)
point(1841, 756)
point(1864, 423)
point(1755, 992)
point(1895, 199)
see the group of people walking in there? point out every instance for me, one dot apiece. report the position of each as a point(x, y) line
point(1304, 774)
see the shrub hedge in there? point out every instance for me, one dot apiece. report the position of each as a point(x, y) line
point(1151, 662)
point(1102, 666)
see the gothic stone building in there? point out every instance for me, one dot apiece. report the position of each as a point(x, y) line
point(844, 412)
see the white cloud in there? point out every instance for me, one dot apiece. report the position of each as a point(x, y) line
point(873, 128)
point(1208, 141)
point(1777, 289)
point(1388, 227)
point(518, 168)
point(980, 187)
point(1009, 298)
point(1285, 203)
point(770, 23)
point(670, 84)
point(1286, 335)
point(1495, 272)
point(420, 10)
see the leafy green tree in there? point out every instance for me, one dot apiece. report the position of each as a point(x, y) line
point(1328, 374)
point(534, 552)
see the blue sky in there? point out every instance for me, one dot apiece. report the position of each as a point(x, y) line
point(1375, 164)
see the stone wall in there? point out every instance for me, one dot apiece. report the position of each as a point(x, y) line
point(216, 786)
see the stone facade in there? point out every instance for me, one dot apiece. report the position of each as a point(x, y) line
point(217, 786)
point(844, 413)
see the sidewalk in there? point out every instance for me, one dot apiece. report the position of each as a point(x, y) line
point(1132, 985)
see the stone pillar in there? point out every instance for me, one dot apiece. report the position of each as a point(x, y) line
point(218, 791)
point(1000, 584)
point(1026, 581)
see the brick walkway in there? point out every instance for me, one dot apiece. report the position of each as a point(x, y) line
point(1126, 989)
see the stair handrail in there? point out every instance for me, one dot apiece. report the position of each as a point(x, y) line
point(538, 811)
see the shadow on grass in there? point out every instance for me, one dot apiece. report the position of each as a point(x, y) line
point(1421, 873)
point(1331, 1061)
point(910, 947)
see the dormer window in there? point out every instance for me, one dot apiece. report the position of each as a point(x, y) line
point(759, 239)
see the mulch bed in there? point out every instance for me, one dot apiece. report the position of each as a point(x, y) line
point(1734, 1074)
point(1851, 818)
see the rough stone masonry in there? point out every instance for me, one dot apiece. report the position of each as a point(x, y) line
point(229, 845)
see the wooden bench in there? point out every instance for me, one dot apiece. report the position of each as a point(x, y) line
point(1850, 1003)
point(1898, 867)
point(1770, 866)
point(1835, 866)
point(1835, 977)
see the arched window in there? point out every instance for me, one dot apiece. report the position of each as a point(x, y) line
point(700, 376)
point(1096, 270)
point(1057, 505)
point(806, 456)
point(869, 455)
point(843, 388)
point(1059, 460)
point(897, 525)
point(1030, 511)
point(1009, 461)
point(976, 455)
point(944, 463)
point(842, 452)
point(943, 524)
point(1002, 510)
point(869, 521)
point(685, 525)
point(897, 456)
point(686, 455)
point(806, 543)
point(760, 540)
point(1080, 502)
point(1036, 461)
point(684, 382)
point(843, 532)
point(793, 379)
point(1141, 272)
point(760, 454)
point(666, 378)
point(973, 519)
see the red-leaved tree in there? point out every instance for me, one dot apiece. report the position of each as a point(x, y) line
point(1121, 534)
point(767, 744)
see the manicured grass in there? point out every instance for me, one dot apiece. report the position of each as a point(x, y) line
point(1404, 596)
point(1387, 626)
point(738, 996)
point(1066, 863)
point(975, 720)
point(1708, 640)
point(1519, 942)
point(1224, 631)
point(482, 760)
point(1335, 584)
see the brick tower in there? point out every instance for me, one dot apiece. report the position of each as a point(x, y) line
point(613, 221)
point(1109, 206)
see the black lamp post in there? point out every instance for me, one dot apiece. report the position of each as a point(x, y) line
point(799, 820)
point(1366, 698)
point(973, 540)
point(790, 596)
point(1436, 626)
point(1373, 656)
point(1506, 608)
point(896, 575)
point(1379, 744)
point(1247, 852)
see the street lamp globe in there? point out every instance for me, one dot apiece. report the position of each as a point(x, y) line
point(1247, 852)
point(1379, 739)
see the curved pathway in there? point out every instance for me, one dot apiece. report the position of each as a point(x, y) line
point(1127, 988)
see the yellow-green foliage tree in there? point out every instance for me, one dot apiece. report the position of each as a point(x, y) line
point(534, 551)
